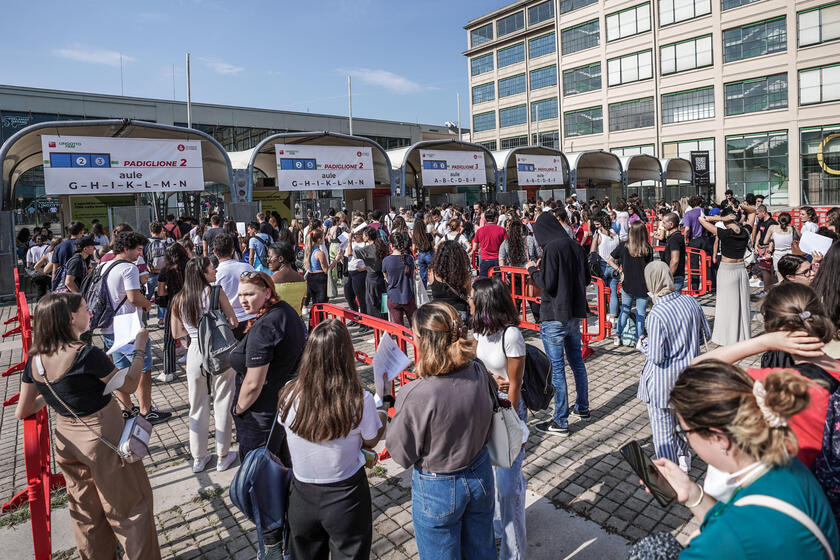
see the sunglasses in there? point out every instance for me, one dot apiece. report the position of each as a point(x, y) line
point(682, 433)
point(250, 274)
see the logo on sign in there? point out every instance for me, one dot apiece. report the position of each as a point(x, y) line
point(181, 147)
point(52, 144)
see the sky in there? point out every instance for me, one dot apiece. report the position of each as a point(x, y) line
point(404, 55)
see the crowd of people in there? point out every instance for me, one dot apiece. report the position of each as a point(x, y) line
point(762, 432)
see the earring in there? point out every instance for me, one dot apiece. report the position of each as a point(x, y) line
point(724, 451)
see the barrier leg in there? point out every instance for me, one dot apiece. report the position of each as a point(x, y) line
point(586, 351)
point(10, 332)
point(10, 320)
point(18, 367)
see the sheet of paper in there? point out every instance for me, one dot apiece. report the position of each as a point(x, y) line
point(126, 327)
point(388, 362)
point(360, 227)
point(343, 238)
point(811, 242)
point(115, 382)
point(240, 229)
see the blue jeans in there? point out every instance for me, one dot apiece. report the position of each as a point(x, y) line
point(484, 265)
point(641, 309)
point(424, 261)
point(453, 513)
point(611, 279)
point(679, 282)
point(124, 360)
point(509, 519)
point(561, 338)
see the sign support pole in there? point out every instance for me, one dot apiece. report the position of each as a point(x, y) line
point(458, 95)
point(350, 102)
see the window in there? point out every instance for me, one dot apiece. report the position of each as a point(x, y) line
point(539, 46)
point(729, 4)
point(484, 121)
point(511, 23)
point(544, 77)
point(584, 121)
point(631, 114)
point(646, 149)
point(691, 105)
point(686, 55)
point(512, 86)
point(481, 35)
point(755, 39)
point(541, 12)
point(820, 160)
point(819, 25)
point(673, 11)
point(629, 22)
point(510, 55)
point(580, 37)
point(684, 148)
point(481, 64)
point(490, 145)
point(630, 68)
point(484, 92)
point(569, 5)
point(548, 139)
point(513, 142)
point(759, 94)
point(758, 163)
point(819, 85)
point(511, 116)
point(582, 79)
point(544, 109)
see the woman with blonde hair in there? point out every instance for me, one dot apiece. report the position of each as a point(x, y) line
point(632, 257)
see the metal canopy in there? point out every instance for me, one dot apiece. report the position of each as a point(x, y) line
point(508, 170)
point(406, 161)
point(22, 151)
point(640, 167)
point(677, 169)
point(595, 167)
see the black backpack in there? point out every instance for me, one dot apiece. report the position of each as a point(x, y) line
point(95, 291)
point(537, 387)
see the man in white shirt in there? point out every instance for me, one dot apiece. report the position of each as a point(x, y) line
point(34, 254)
point(227, 276)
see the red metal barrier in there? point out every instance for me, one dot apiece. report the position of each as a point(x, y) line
point(700, 273)
point(25, 329)
point(16, 318)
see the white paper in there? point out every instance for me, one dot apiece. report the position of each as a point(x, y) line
point(811, 242)
point(388, 362)
point(343, 238)
point(126, 327)
point(360, 227)
point(116, 381)
point(240, 229)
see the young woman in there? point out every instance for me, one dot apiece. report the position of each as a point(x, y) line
point(796, 268)
point(110, 500)
point(230, 227)
point(197, 236)
point(170, 282)
point(297, 231)
point(782, 237)
point(450, 277)
point(398, 268)
point(372, 254)
point(329, 418)
point(455, 232)
point(355, 287)
point(187, 308)
point(188, 246)
point(632, 257)
point(290, 285)
point(398, 225)
point(517, 249)
point(810, 220)
point(98, 232)
point(440, 428)
point(423, 246)
point(604, 242)
point(621, 220)
point(501, 348)
point(317, 268)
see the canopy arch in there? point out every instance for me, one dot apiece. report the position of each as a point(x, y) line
point(640, 168)
point(509, 169)
point(677, 178)
point(597, 172)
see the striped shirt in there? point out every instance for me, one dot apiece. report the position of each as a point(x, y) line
point(676, 328)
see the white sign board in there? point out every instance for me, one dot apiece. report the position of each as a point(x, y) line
point(441, 167)
point(539, 170)
point(301, 167)
point(92, 165)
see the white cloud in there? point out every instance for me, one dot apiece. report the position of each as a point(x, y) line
point(93, 56)
point(388, 80)
point(221, 67)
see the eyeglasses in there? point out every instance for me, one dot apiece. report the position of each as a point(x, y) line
point(682, 433)
point(807, 272)
point(249, 274)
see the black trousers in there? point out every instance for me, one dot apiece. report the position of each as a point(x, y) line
point(373, 296)
point(350, 294)
point(331, 520)
point(359, 280)
point(316, 288)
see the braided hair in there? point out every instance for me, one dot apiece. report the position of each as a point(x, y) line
point(381, 247)
point(400, 242)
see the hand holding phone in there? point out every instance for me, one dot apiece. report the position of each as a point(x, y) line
point(649, 473)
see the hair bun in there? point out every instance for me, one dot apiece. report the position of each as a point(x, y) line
point(786, 392)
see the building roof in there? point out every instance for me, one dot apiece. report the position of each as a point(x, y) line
point(496, 13)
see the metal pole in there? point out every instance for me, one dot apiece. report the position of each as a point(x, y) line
point(122, 81)
point(459, 115)
point(173, 82)
point(189, 95)
point(350, 102)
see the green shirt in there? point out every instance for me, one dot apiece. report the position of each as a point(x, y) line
point(757, 532)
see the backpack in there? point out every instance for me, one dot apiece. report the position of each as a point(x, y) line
point(170, 231)
point(537, 387)
point(215, 337)
point(262, 258)
point(95, 291)
point(155, 253)
point(827, 465)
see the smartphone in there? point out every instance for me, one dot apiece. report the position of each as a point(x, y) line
point(371, 458)
point(644, 468)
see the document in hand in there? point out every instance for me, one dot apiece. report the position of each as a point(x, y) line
point(811, 242)
point(240, 229)
point(126, 327)
point(388, 362)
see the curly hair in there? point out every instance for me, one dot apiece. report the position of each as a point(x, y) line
point(451, 264)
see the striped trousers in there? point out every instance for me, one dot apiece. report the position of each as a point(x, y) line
point(667, 444)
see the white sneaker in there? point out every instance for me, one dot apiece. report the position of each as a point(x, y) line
point(227, 461)
point(756, 283)
point(164, 377)
point(616, 341)
point(182, 359)
point(200, 464)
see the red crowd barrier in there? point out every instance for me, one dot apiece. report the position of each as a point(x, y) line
point(695, 274)
point(25, 329)
point(16, 318)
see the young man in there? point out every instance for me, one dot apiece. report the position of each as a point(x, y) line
point(389, 218)
point(674, 253)
point(563, 276)
point(258, 248)
point(764, 260)
point(155, 255)
point(227, 276)
point(63, 251)
point(33, 255)
point(265, 227)
point(171, 228)
point(489, 238)
point(78, 266)
point(211, 233)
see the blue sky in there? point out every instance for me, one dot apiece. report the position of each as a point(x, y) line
point(404, 56)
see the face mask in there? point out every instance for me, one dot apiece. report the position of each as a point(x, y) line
point(721, 485)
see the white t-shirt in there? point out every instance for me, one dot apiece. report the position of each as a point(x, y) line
point(336, 460)
point(123, 278)
point(192, 330)
point(34, 254)
point(489, 349)
point(623, 221)
point(810, 226)
point(227, 276)
point(101, 241)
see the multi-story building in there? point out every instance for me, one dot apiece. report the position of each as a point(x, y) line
point(754, 82)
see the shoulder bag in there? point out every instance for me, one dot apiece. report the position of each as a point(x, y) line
point(505, 441)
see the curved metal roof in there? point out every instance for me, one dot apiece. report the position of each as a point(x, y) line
point(677, 169)
point(403, 158)
point(503, 159)
point(641, 167)
point(597, 166)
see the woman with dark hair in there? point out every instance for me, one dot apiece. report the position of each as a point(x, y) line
point(398, 225)
point(188, 306)
point(110, 499)
point(372, 255)
point(230, 227)
point(317, 268)
point(98, 233)
point(197, 236)
point(826, 283)
point(632, 257)
point(423, 246)
point(782, 237)
point(290, 285)
point(188, 246)
point(354, 287)
point(450, 277)
point(170, 282)
point(328, 419)
point(810, 220)
point(517, 249)
point(501, 348)
point(604, 242)
point(398, 268)
point(796, 268)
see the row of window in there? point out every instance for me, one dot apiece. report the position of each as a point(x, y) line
point(512, 23)
point(550, 139)
point(538, 46)
point(512, 85)
point(544, 109)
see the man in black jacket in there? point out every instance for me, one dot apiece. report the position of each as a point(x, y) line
point(563, 277)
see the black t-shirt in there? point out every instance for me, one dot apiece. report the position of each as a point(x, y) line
point(763, 226)
point(277, 339)
point(733, 245)
point(675, 242)
point(634, 271)
point(77, 268)
point(210, 236)
point(81, 387)
point(442, 292)
point(373, 264)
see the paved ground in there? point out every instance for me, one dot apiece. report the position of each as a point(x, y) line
point(583, 501)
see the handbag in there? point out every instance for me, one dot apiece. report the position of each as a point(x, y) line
point(421, 296)
point(505, 441)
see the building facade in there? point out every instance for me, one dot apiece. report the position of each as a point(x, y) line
point(754, 82)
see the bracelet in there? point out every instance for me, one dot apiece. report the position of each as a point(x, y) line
point(138, 353)
point(700, 499)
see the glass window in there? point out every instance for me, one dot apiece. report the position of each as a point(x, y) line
point(630, 68)
point(539, 46)
point(510, 116)
point(484, 92)
point(631, 114)
point(686, 55)
point(760, 94)
point(513, 142)
point(819, 85)
point(512, 86)
point(819, 25)
point(511, 55)
point(584, 121)
point(646, 149)
point(820, 164)
point(729, 4)
point(582, 79)
point(758, 163)
point(569, 5)
point(490, 145)
point(481, 64)
point(12, 122)
point(683, 149)
point(549, 139)
point(511, 23)
point(484, 121)
point(673, 11)
point(544, 109)
point(580, 37)
point(544, 77)
point(629, 22)
point(481, 35)
point(755, 39)
point(689, 105)
point(541, 12)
